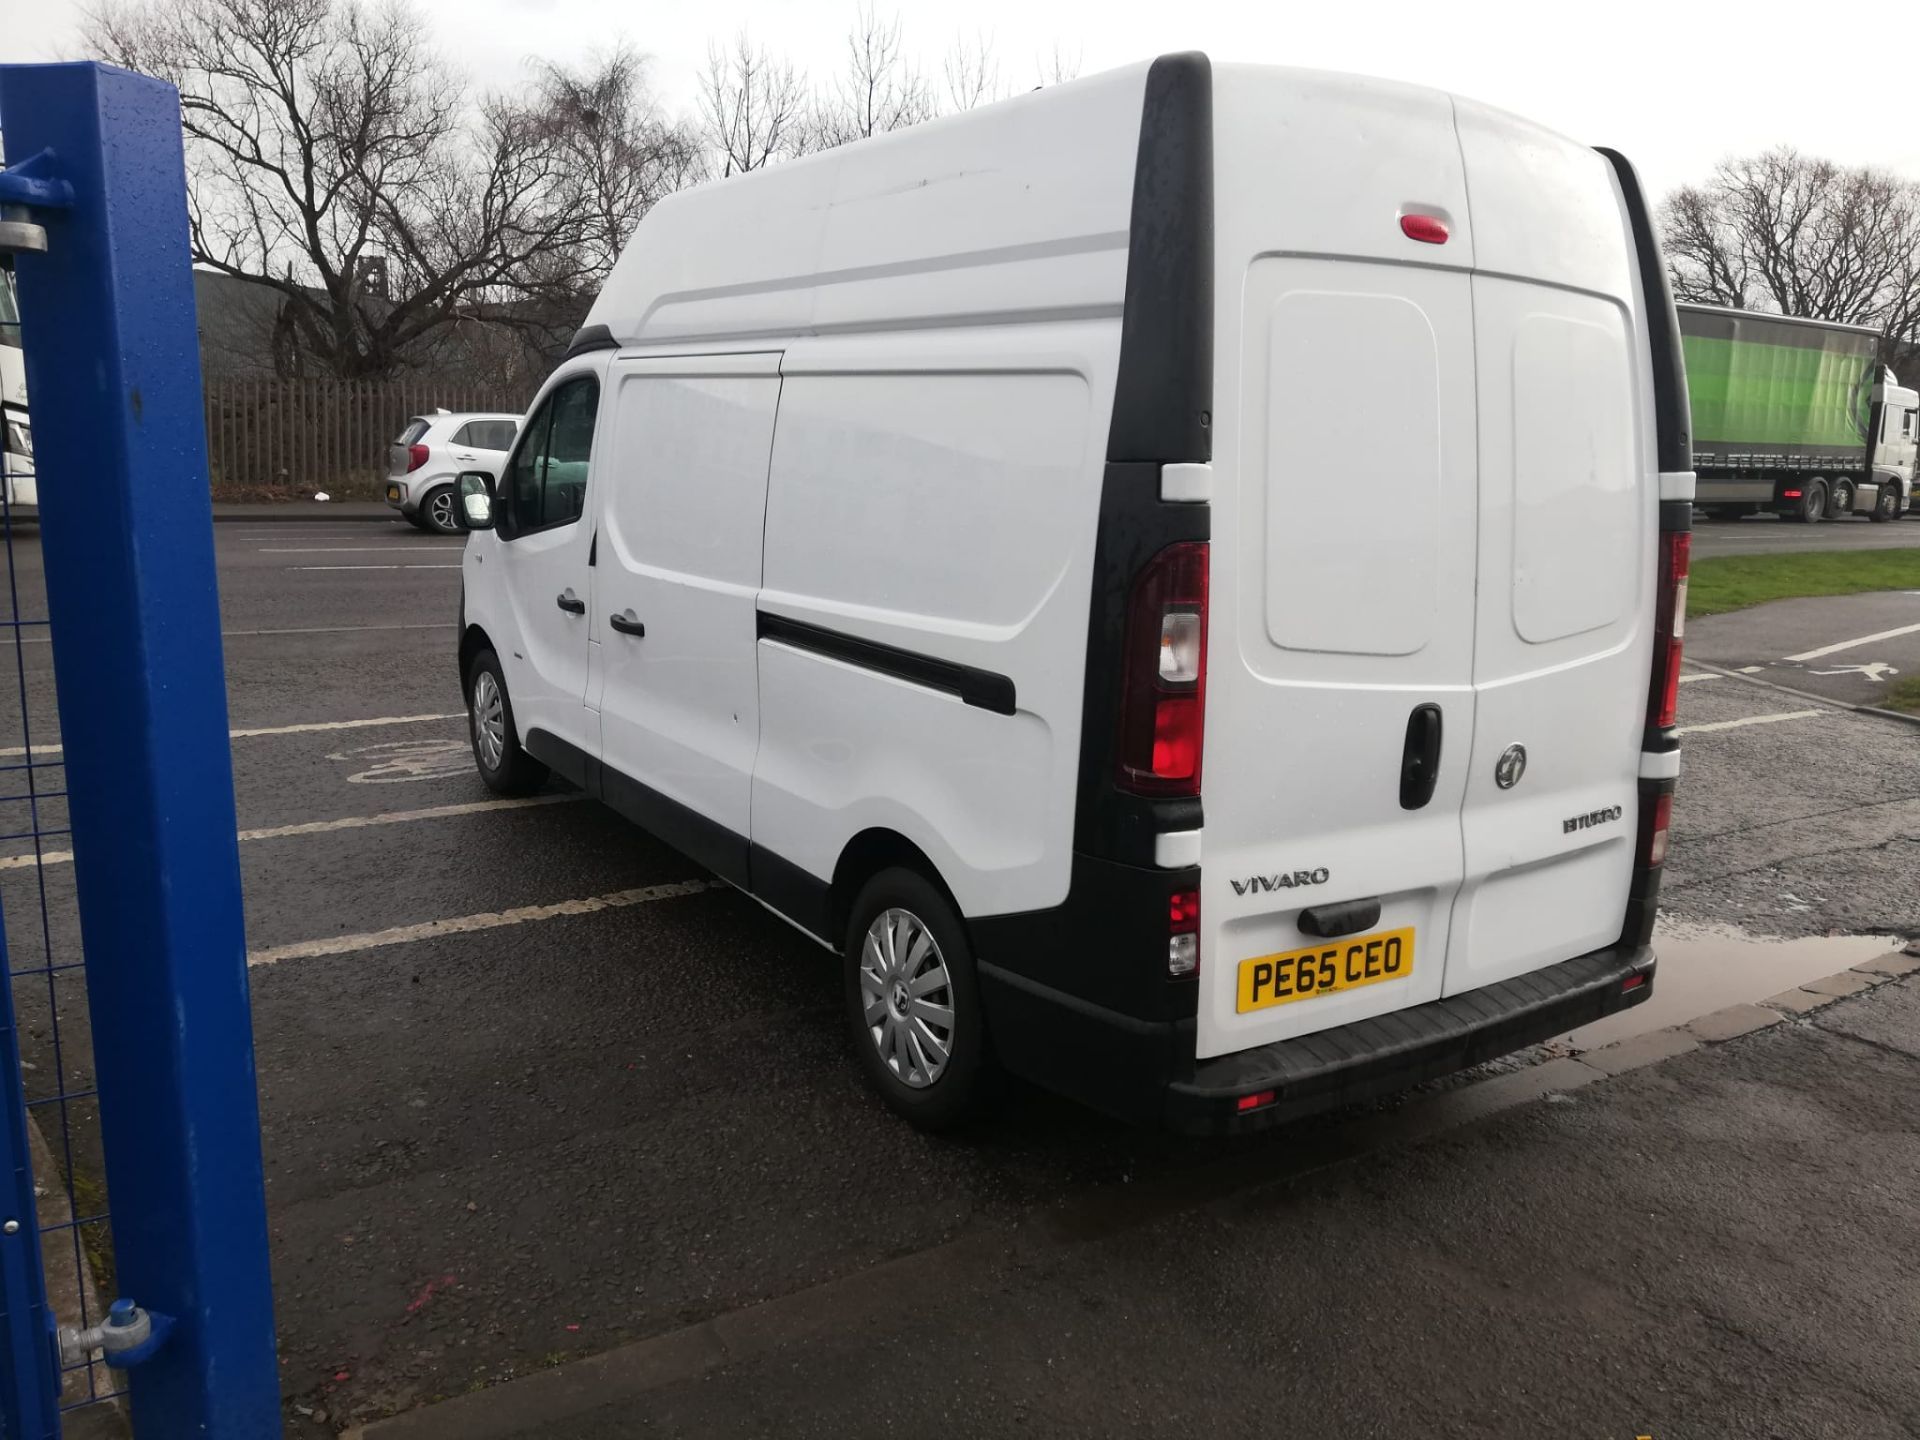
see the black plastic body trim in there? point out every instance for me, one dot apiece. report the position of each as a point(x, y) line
point(1106, 943)
point(1144, 1071)
point(804, 899)
point(591, 337)
point(1163, 393)
point(1386, 1053)
point(707, 841)
point(1673, 417)
point(982, 688)
point(1643, 889)
point(1348, 917)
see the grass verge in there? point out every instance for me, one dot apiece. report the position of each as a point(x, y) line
point(1903, 695)
point(1734, 582)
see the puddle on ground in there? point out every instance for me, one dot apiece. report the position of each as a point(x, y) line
point(1704, 968)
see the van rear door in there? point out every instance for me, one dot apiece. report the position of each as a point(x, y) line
point(1568, 512)
point(1341, 615)
point(1435, 500)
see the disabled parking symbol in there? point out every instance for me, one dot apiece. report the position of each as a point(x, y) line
point(1876, 671)
point(396, 761)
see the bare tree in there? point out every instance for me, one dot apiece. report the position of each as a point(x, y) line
point(1056, 67)
point(971, 73)
point(1801, 236)
point(878, 91)
point(333, 159)
point(621, 155)
point(753, 108)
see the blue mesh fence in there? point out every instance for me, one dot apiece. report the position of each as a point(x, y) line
point(42, 930)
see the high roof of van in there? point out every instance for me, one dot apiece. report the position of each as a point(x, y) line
point(1018, 210)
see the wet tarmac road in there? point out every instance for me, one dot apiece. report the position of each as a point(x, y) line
point(491, 1148)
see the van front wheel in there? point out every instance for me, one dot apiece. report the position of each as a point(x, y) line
point(913, 1000)
point(503, 765)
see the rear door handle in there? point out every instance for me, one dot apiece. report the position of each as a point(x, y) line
point(627, 625)
point(1349, 917)
point(1420, 757)
point(568, 602)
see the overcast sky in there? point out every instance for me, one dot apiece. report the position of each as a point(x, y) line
point(1676, 85)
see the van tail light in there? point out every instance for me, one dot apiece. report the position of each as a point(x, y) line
point(1183, 934)
point(1670, 623)
point(1163, 689)
point(1656, 816)
point(416, 457)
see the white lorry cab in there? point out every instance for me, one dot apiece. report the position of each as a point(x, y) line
point(950, 541)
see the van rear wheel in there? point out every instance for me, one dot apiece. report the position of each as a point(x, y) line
point(913, 1000)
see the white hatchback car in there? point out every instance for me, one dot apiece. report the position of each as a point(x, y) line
point(428, 456)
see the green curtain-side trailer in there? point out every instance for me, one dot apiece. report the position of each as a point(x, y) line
point(1778, 405)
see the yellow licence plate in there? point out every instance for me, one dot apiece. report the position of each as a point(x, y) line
point(1326, 969)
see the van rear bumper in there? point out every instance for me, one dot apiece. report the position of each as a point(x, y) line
point(1389, 1052)
point(1145, 1071)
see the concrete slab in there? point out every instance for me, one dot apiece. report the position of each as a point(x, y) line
point(1733, 1021)
point(1640, 1050)
point(1843, 984)
point(1797, 1002)
point(1899, 962)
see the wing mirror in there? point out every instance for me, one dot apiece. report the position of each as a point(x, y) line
point(476, 500)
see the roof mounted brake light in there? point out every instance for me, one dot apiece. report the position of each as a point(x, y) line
point(1427, 229)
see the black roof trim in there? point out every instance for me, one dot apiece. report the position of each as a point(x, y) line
point(1163, 394)
point(591, 337)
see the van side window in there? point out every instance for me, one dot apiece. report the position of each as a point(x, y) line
point(569, 447)
point(546, 481)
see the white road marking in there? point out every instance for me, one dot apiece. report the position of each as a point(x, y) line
point(1749, 720)
point(467, 924)
point(362, 549)
point(345, 629)
point(1840, 645)
point(306, 728)
point(1876, 671)
point(373, 567)
point(1697, 675)
point(1751, 669)
point(327, 827)
point(396, 761)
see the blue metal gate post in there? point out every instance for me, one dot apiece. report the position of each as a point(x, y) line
point(29, 1400)
point(113, 376)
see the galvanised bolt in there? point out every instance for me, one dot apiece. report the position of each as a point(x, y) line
point(12, 1227)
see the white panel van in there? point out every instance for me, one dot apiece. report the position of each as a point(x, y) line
point(951, 541)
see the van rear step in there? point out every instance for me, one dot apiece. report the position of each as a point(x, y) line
point(1389, 1052)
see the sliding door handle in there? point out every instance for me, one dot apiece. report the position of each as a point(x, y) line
point(570, 603)
point(627, 625)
